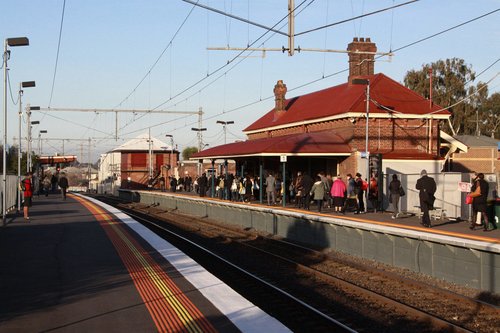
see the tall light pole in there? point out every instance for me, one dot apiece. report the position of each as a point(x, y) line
point(150, 158)
point(200, 142)
point(12, 42)
point(40, 141)
point(368, 176)
point(26, 84)
point(30, 138)
point(171, 150)
point(224, 127)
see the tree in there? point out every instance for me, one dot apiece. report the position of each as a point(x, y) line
point(188, 151)
point(450, 79)
point(491, 108)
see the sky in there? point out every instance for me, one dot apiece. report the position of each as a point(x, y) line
point(153, 55)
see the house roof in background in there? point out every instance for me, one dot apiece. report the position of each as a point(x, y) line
point(140, 143)
point(478, 141)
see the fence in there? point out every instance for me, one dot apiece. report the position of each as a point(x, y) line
point(449, 198)
point(11, 188)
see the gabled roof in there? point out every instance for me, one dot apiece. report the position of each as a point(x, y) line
point(322, 143)
point(346, 100)
point(478, 141)
point(140, 143)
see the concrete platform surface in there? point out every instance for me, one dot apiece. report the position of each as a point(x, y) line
point(81, 266)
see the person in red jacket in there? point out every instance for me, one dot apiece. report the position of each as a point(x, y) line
point(27, 188)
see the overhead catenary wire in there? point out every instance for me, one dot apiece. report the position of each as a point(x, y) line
point(355, 18)
point(57, 53)
point(159, 57)
point(346, 69)
point(229, 62)
point(338, 72)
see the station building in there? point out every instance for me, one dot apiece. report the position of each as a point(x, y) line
point(137, 163)
point(331, 130)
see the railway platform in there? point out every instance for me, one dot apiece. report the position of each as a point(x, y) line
point(81, 266)
point(449, 250)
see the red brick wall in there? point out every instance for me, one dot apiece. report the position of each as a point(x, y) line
point(135, 166)
point(476, 159)
point(384, 134)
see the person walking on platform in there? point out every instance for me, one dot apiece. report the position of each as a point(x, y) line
point(53, 183)
point(352, 194)
point(318, 192)
point(359, 187)
point(247, 183)
point(271, 189)
point(394, 186)
point(299, 190)
point(46, 185)
point(27, 188)
point(479, 202)
point(63, 184)
point(202, 184)
point(373, 193)
point(338, 193)
point(306, 185)
point(427, 187)
point(173, 184)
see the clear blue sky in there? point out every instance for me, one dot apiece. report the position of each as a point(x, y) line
point(108, 47)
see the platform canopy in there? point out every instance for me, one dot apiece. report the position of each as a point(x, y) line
point(325, 143)
point(56, 159)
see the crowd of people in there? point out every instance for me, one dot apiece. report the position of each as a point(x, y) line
point(340, 194)
point(48, 183)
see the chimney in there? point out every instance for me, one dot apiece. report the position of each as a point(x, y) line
point(361, 57)
point(279, 99)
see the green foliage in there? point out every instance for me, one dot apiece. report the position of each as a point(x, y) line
point(452, 82)
point(188, 151)
point(491, 109)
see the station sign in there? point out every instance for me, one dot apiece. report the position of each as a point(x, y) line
point(464, 186)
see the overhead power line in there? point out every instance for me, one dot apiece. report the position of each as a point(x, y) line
point(355, 18)
point(236, 17)
point(158, 59)
point(57, 55)
point(446, 30)
point(346, 69)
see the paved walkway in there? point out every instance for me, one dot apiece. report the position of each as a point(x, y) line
point(82, 266)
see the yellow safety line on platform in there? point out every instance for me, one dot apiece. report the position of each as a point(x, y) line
point(174, 297)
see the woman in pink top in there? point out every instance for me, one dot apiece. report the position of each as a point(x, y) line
point(338, 192)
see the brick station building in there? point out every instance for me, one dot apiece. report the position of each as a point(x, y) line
point(326, 130)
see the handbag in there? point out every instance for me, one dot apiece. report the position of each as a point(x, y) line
point(401, 192)
point(468, 199)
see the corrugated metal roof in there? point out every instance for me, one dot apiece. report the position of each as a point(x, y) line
point(140, 143)
point(477, 141)
point(303, 144)
point(350, 98)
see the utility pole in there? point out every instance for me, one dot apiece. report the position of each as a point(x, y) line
point(199, 131)
point(89, 168)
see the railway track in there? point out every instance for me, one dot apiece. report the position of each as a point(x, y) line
point(360, 298)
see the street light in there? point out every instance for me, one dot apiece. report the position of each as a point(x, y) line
point(224, 126)
point(30, 140)
point(40, 141)
point(200, 143)
point(26, 84)
point(367, 153)
point(171, 147)
point(12, 42)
